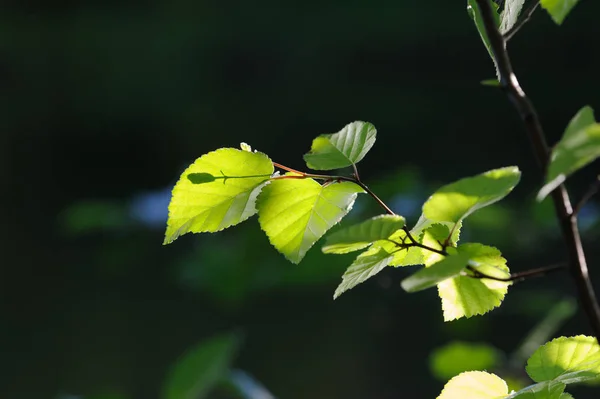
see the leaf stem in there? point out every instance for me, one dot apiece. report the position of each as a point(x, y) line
point(520, 276)
point(524, 19)
point(560, 196)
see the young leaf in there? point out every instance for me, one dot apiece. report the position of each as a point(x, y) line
point(544, 390)
point(568, 360)
point(559, 9)
point(344, 148)
point(201, 368)
point(217, 191)
point(363, 234)
point(456, 201)
point(295, 213)
point(427, 277)
point(475, 385)
point(366, 265)
point(579, 146)
point(466, 296)
point(510, 14)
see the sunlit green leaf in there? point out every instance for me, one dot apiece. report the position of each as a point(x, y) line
point(568, 360)
point(203, 366)
point(427, 277)
point(559, 9)
point(456, 201)
point(544, 390)
point(465, 296)
point(363, 234)
point(217, 191)
point(475, 385)
point(579, 146)
point(344, 148)
point(510, 14)
point(428, 233)
point(457, 357)
point(485, 259)
point(366, 265)
point(295, 213)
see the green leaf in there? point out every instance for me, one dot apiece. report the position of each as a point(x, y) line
point(344, 148)
point(217, 191)
point(475, 14)
point(428, 233)
point(475, 385)
point(427, 277)
point(456, 201)
point(544, 390)
point(568, 360)
point(457, 357)
point(366, 265)
point(487, 260)
point(510, 14)
point(465, 296)
point(363, 234)
point(201, 368)
point(579, 146)
point(295, 213)
point(559, 9)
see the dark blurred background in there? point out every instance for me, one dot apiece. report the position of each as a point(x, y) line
point(104, 103)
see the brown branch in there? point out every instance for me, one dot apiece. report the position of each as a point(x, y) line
point(560, 197)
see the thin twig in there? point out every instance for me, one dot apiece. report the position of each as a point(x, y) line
point(520, 276)
point(592, 190)
point(354, 179)
point(524, 19)
point(356, 172)
point(560, 197)
point(280, 166)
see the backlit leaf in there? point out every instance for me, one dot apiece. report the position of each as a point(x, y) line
point(464, 296)
point(579, 146)
point(427, 277)
point(559, 9)
point(295, 213)
point(485, 259)
point(217, 191)
point(363, 234)
point(201, 368)
point(568, 360)
point(366, 265)
point(456, 201)
point(424, 234)
point(475, 385)
point(344, 148)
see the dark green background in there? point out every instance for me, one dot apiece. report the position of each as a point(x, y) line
point(103, 103)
